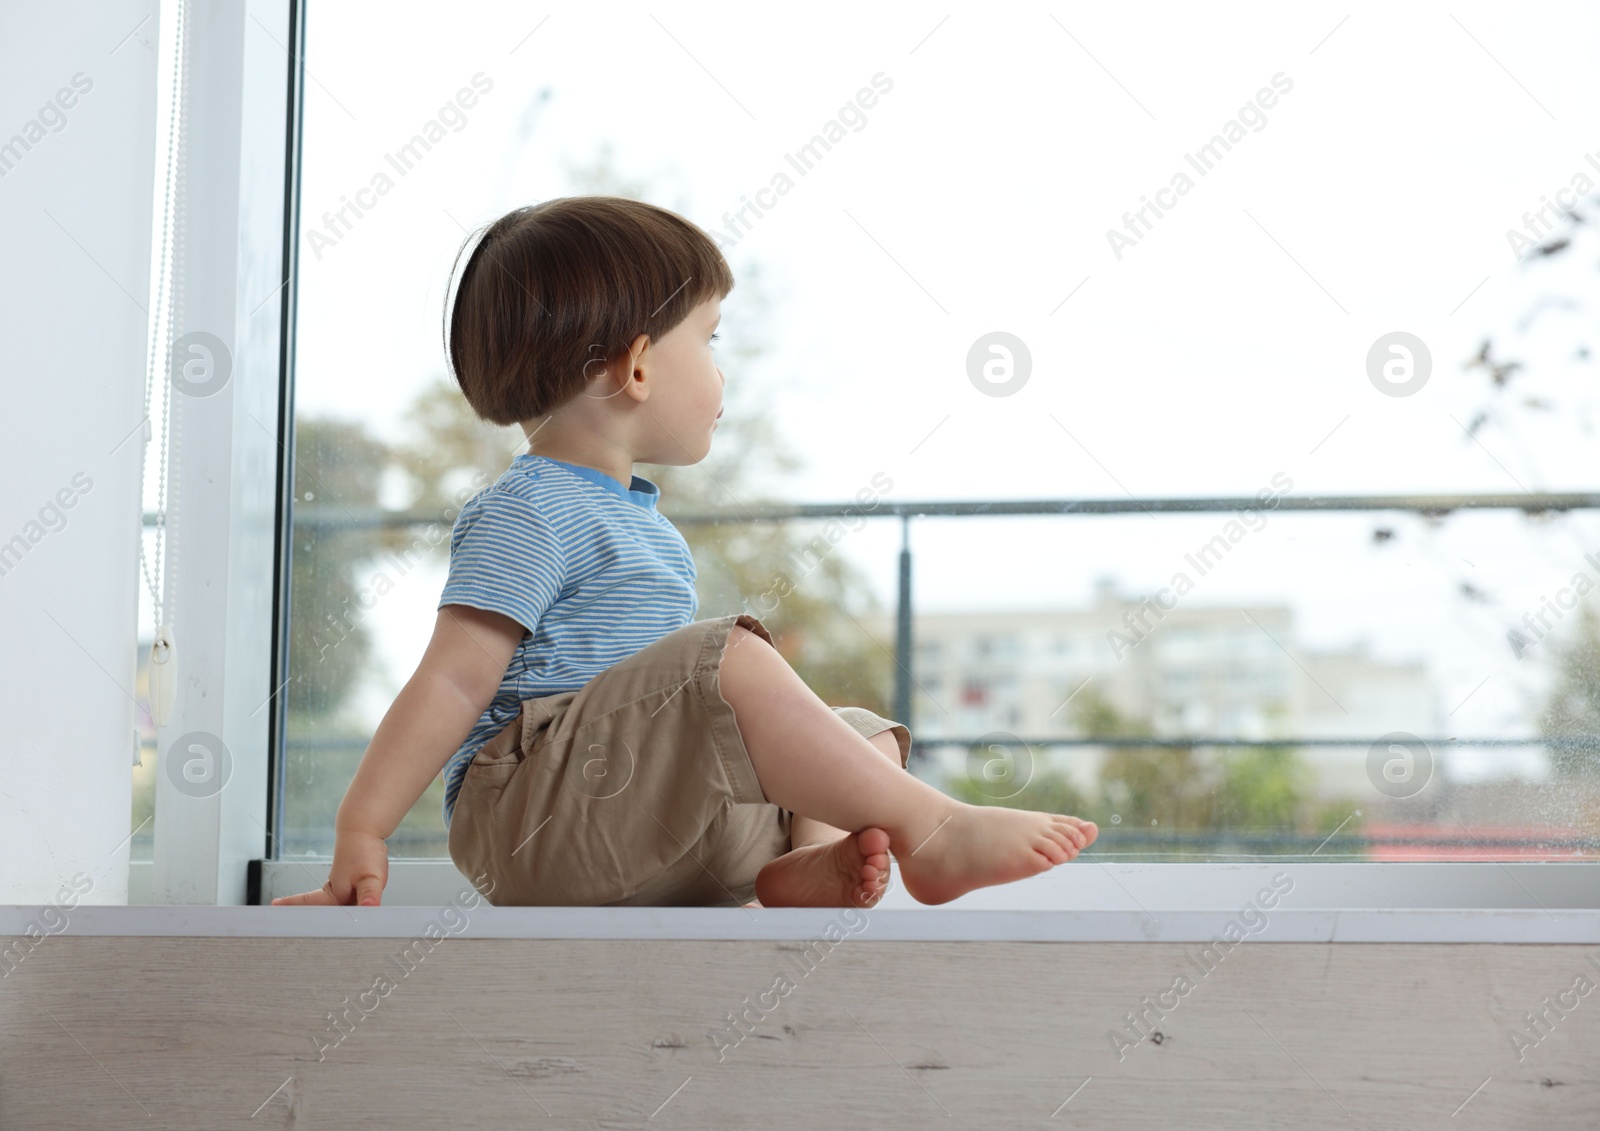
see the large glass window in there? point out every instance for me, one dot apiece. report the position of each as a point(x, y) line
point(1195, 278)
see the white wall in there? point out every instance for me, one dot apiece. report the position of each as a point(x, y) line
point(75, 232)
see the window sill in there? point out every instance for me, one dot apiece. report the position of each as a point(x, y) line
point(931, 924)
point(1324, 902)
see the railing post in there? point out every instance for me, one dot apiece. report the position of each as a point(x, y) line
point(902, 640)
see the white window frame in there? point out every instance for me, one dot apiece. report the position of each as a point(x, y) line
point(231, 467)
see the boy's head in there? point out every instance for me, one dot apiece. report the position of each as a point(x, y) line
point(598, 297)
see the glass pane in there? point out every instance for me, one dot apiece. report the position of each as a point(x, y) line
point(1377, 685)
point(1006, 256)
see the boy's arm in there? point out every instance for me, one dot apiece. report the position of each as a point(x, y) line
point(457, 677)
point(460, 672)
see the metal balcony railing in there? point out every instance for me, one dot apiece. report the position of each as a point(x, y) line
point(334, 517)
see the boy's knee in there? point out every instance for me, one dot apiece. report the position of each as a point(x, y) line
point(887, 745)
point(737, 646)
point(741, 637)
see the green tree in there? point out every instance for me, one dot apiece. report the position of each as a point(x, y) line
point(337, 468)
point(1164, 786)
point(1254, 790)
point(1571, 713)
point(1043, 793)
point(1262, 787)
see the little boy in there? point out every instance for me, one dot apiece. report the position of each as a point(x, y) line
point(599, 745)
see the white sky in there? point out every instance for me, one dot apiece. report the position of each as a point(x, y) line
point(1221, 350)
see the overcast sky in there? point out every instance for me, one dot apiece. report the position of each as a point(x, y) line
point(1228, 345)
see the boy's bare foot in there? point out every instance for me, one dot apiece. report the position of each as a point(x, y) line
point(974, 846)
point(852, 871)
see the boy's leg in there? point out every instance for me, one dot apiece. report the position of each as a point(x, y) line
point(810, 761)
point(808, 830)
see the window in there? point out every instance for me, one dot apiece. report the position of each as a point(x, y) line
point(1356, 558)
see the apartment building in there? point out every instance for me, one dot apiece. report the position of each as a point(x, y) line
point(1202, 670)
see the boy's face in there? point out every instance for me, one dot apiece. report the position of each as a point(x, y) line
point(684, 390)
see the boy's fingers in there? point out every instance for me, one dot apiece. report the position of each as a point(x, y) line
point(368, 891)
point(319, 896)
point(323, 896)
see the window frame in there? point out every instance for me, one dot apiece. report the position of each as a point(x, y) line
point(231, 473)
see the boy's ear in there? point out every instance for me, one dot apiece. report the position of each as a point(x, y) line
point(640, 366)
point(620, 375)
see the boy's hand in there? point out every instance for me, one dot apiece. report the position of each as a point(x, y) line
point(358, 875)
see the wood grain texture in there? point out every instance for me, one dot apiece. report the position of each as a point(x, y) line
point(199, 1033)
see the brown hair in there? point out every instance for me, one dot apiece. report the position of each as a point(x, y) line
point(554, 288)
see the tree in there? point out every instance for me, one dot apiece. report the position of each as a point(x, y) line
point(1571, 714)
point(1262, 787)
point(1163, 786)
point(1043, 793)
point(1251, 790)
point(337, 470)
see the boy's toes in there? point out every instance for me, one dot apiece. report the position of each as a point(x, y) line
point(868, 893)
point(872, 842)
point(1072, 831)
point(1089, 829)
point(1053, 850)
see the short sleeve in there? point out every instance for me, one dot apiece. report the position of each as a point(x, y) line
point(505, 557)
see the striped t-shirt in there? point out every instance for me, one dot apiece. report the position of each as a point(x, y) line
point(588, 567)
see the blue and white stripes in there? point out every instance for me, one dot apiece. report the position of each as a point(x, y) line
point(590, 568)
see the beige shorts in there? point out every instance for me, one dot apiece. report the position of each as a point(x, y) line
point(636, 789)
